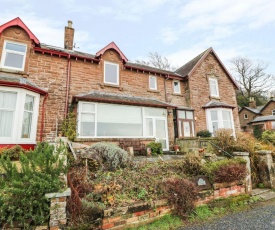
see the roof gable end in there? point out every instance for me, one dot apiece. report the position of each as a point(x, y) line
point(112, 45)
point(18, 22)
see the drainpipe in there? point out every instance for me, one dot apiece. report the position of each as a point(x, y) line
point(67, 85)
point(165, 91)
point(43, 115)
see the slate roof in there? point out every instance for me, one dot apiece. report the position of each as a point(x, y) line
point(186, 68)
point(263, 118)
point(253, 110)
point(121, 99)
point(217, 104)
point(19, 81)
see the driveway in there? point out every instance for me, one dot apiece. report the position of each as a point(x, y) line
point(261, 216)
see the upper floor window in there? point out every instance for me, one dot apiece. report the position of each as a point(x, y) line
point(245, 116)
point(153, 83)
point(176, 86)
point(214, 89)
point(111, 73)
point(273, 112)
point(13, 55)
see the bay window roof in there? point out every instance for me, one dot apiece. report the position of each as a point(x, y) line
point(121, 99)
point(217, 104)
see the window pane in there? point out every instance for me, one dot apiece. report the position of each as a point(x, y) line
point(176, 87)
point(26, 127)
point(226, 116)
point(161, 132)
point(214, 115)
point(87, 125)
point(186, 128)
point(149, 127)
point(155, 112)
point(6, 118)
point(29, 103)
point(180, 131)
point(213, 87)
point(153, 82)
point(215, 126)
point(181, 114)
point(7, 100)
point(189, 115)
point(273, 124)
point(14, 60)
point(88, 107)
point(111, 73)
point(15, 47)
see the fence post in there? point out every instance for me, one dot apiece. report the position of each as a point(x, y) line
point(248, 182)
point(266, 168)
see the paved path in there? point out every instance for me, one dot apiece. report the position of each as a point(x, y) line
point(261, 216)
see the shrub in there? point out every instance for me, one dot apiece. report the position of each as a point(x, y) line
point(230, 173)
point(192, 164)
point(181, 193)
point(156, 148)
point(12, 153)
point(268, 136)
point(69, 125)
point(23, 191)
point(204, 133)
point(109, 156)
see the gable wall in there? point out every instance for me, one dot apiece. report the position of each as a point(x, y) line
point(200, 91)
point(243, 122)
point(267, 111)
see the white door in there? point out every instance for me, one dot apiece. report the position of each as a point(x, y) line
point(161, 132)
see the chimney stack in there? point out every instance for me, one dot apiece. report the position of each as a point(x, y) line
point(252, 103)
point(69, 36)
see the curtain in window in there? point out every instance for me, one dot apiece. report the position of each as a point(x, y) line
point(7, 107)
point(27, 117)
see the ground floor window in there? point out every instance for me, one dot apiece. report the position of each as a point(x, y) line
point(218, 118)
point(185, 123)
point(100, 120)
point(18, 115)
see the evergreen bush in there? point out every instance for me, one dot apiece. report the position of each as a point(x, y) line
point(22, 191)
point(204, 133)
point(156, 148)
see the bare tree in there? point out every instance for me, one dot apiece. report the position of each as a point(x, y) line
point(156, 60)
point(251, 76)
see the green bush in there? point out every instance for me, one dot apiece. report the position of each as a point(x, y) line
point(13, 153)
point(156, 148)
point(109, 156)
point(268, 136)
point(192, 164)
point(204, 133)
point(23, 190)
point(69, 125)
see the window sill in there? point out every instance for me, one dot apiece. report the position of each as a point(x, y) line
point(103, 85)
point(177, 94)
point(153, 91)
point(215, 97)
point(14, 71)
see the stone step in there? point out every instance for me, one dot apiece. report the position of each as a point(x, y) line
point(258, 191)
point(267, 195)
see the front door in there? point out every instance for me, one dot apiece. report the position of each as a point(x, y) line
point(161, 132)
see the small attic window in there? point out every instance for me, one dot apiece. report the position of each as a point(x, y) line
point(245, 116)
point(14, 55)
point(111, 73)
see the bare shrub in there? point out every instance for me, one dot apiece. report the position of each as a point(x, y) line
point(230, 173)
point(192, 164)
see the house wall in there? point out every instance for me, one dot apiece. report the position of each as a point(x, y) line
point(243, 122)
point(267, 111)
point(200, 91)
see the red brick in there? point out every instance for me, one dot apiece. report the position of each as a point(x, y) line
point(107, 226)
point(139, 213)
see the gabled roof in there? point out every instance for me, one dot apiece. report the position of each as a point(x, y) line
point(253, 110)
point(270, 101)
point(263, 118)
point(217, 104)
point(97, 96)
point(188, 69)
point(18, 22)
point(112, 45)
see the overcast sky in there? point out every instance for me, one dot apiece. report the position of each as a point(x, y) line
point(177, 29)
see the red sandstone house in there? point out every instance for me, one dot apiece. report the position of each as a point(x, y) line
point(115, 99)
point(261, 116)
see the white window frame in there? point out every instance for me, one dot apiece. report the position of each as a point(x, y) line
point(154, 118)
point(273, 112)
point(177, 92)
point(4, 54)
point(16, 131)
point(156, 82)
point(117, 72)
point(220, 119)
point(215, 81)
point(245, 116)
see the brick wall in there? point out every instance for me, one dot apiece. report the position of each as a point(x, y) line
point(250, 116)
point(267, 111)
point(146, 212)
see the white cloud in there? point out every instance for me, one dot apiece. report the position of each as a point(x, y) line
point(168, 35)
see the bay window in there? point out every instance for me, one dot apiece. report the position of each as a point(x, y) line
point(101, 120)
point(218, 118)
point(18, 115)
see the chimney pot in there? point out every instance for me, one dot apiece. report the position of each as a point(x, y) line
point(70, 24)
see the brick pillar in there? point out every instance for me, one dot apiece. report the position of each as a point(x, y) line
point(248, 182)
point(58, 204)
point(266, 168)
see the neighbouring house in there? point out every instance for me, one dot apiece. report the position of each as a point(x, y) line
point(113, 98)
point(261, 117)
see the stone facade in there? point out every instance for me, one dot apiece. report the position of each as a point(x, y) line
point(64, 73)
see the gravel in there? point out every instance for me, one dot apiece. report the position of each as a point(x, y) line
point(260, 217)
